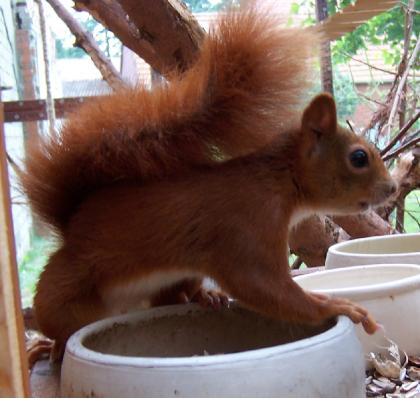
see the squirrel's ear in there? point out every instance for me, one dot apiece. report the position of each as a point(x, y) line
point(321, 116)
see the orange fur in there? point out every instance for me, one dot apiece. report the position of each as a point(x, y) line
point(246, 83)
point(143, 205)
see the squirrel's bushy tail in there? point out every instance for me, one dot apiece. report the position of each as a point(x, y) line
point(246, 83)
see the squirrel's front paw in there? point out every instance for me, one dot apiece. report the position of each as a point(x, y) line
point(340, 306)
point(211, 298)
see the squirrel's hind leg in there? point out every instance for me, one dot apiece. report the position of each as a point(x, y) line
point(65, 300)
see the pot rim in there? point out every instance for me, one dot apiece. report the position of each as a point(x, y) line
point(370, 291)
point(336, 249)
point(78, 351)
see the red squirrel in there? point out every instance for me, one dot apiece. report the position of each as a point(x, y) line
point(151, 191)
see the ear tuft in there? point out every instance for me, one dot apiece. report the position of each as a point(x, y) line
point(321, 116)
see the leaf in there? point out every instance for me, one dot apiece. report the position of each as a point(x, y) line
point(294, 8)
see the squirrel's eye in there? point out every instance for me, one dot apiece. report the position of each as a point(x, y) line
point(359, 158)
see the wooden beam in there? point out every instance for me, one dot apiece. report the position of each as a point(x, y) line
point(33, 110)
point(352, 16)
point(13, 363)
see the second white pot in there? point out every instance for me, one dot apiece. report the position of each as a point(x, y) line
point(391, 292)
point(389, 249)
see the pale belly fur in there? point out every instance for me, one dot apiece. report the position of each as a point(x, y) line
point(136, 294)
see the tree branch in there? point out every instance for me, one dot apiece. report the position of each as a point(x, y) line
point(169, 28)
point(401, 133)
point(406, 174)
point(297, 263)
point(401, 85)
point(313, 251)
point(331, 230)
point(382, 114)
point(359, 93)
point(113, 17)
point(85, 40)
point(402, 148)
point(363, 225)
point(414, 218)
point(367, 64)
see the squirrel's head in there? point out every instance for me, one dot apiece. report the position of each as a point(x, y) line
point(339, 171)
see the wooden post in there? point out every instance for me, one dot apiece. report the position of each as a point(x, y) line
point(326, 65)
point(13, 363)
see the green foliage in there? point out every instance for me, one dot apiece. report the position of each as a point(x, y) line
point(412, 212)
point(203, 5)
point(386, 28)
point(63, 51)
point(105, 39)
point(208, 5)
point(31, 266)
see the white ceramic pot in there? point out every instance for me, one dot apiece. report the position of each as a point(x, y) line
point(391, 292)
point(150, 354)
point(389, 249)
